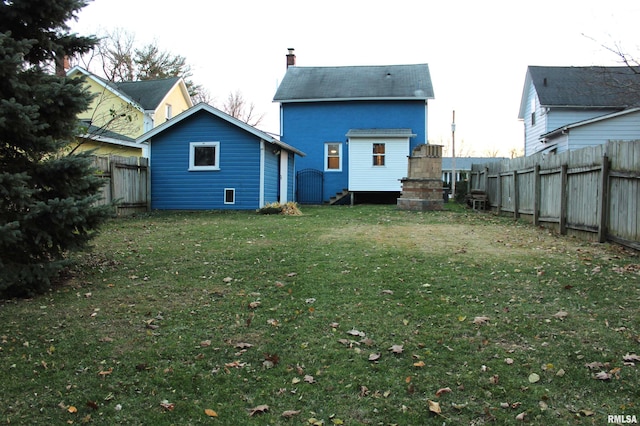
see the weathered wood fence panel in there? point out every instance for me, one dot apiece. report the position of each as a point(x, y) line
point(594, 190)
point(126, 182)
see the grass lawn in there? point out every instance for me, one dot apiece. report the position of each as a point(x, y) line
point(344, 315)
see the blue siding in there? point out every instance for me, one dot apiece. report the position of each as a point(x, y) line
point(271, 173)
point(307, 126)
point(291, 178)
point(173, 186)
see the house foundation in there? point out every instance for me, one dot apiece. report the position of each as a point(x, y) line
point(422, 189)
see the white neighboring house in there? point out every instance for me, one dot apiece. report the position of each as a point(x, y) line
point(568, 108)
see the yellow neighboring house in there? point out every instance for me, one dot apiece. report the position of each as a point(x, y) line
point(120, 112)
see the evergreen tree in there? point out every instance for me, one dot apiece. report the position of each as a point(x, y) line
point(46, 198)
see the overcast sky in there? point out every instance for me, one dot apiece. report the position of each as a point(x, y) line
point(477, 51)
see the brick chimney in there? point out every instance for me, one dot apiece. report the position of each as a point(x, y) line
point(291, 58)
point(62, 65)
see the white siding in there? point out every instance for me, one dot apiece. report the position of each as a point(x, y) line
point(622, 128)
point(364, 176)
point(532, 132)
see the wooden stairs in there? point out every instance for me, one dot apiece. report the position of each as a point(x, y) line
point(341, 198)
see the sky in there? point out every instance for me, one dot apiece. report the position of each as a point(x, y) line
point(477, 51)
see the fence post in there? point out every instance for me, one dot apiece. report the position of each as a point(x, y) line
point(498, 193)
point(563, 198)
point(536, 195)
point(604, 200)
point(516, 197)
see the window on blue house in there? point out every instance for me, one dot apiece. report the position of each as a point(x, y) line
point(333, 156)
point(229, 196)
point(378, 154)
point(204, 156)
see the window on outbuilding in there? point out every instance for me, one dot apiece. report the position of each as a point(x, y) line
point(378, 154)
point(229, 195)
point(204, 156)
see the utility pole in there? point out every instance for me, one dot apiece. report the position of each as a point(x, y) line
point(453, 157)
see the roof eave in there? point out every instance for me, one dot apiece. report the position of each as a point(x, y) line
point(373, 98)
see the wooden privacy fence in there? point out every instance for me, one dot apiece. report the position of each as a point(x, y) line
point(594, 190)
point(126, 182)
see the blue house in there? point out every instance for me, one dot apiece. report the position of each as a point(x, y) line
point(204, 159)
point(357, 125)
point(567, 108)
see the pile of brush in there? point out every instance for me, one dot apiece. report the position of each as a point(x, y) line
point(289, 208)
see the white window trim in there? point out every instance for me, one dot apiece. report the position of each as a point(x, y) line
point(382, 155)
point(326, 157)
point(233, 190)
point(192, 156)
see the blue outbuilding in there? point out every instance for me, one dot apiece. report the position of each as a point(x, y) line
point(205, 159)
point(357, 125)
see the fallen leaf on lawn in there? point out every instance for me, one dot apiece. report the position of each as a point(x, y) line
point(235, 364)
point(336, 421)
point(105, 372)
point(561, 314)
point(521, 416)
point(494, 379)
point(243, 345)
point(295, 381)
point(603, 375)
point(543, 405)
point(374, 357)
point(209, 412)
point(72, 409)
point(594, 365)
point(290, 413)
point(167, 405)
point(396, 349)
point(419, 364)
point(631, 358)
point(354, 332)
point(560, 372)
point(205, 343)
point(508, 361)
point(442, 391)
point(309, 379)
point(434, 407)
point(334, 325)
point(480, 320)
point(227, 279)
point(461, 318)
point(258, 410)
point(387, 292)
point(315, 422)
point(292, 274)
point(534, 378)
point(279, 284)
point(254, 305)
point(587, 413)
point(273, 322)
point(366, 341)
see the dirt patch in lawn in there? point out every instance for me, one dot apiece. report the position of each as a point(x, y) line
point(513, 242)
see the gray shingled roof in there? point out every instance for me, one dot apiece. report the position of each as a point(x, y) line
point(302, 84)
point(380, 133)
point(148, 93)
point(615, 87)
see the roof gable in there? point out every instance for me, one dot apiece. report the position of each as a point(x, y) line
point(583, 87)
point(148, 93)
point(224, 116)
point(305, 84)
point(144, 94)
